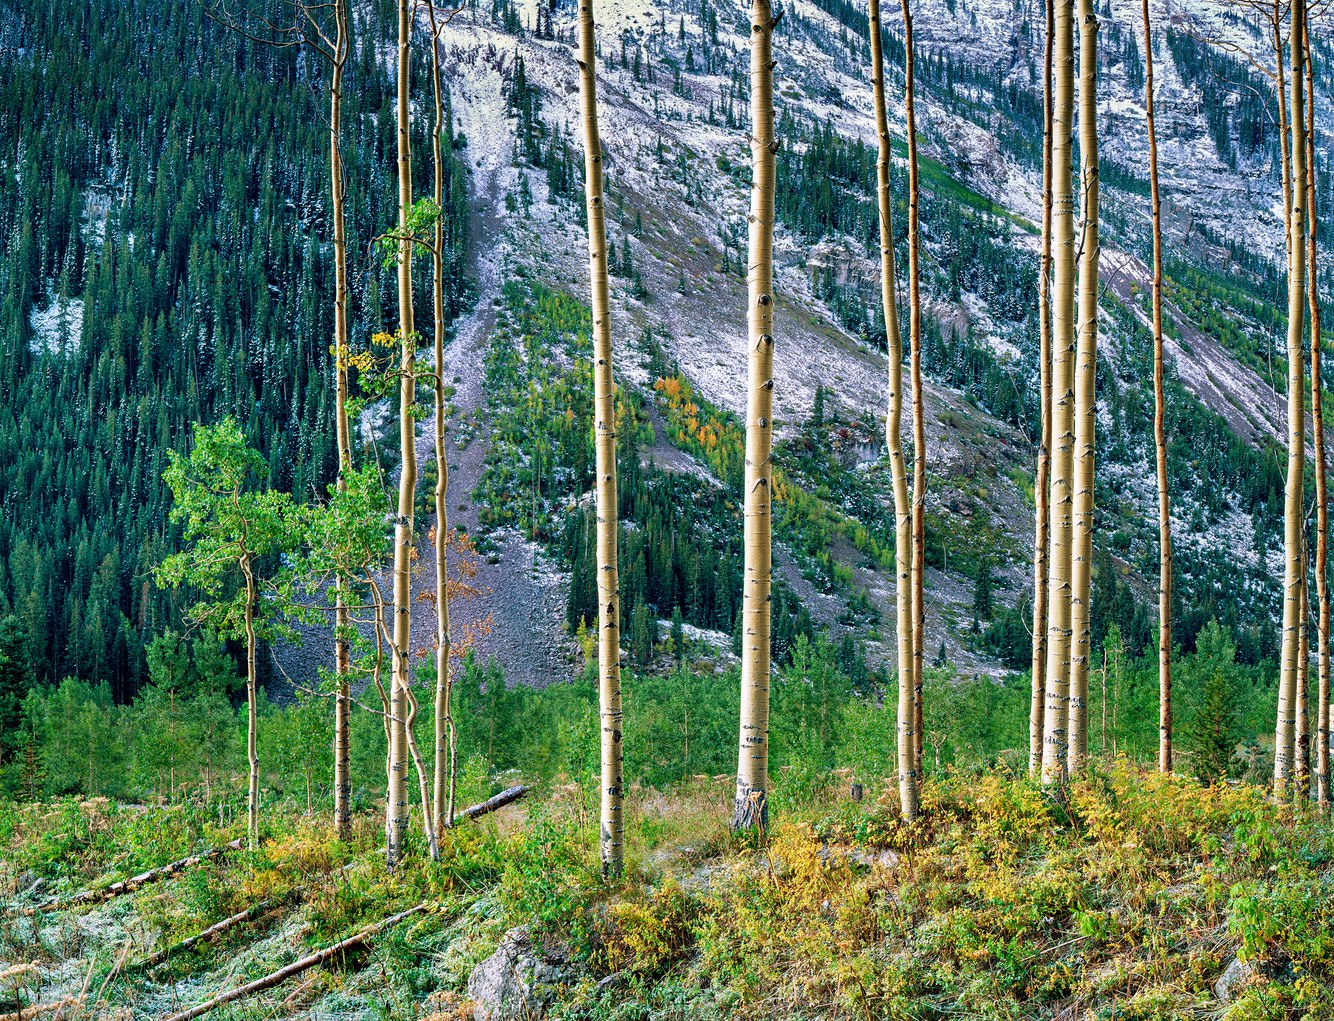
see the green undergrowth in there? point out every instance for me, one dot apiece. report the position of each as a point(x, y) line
point(1126, 894)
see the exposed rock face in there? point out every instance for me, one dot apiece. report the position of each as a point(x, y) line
point(518, 982)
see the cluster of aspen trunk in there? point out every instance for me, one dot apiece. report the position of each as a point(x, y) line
point(1295, 86)
point(1058, 726)
point(325, 27)
point(1064, 481)
point(752, 788)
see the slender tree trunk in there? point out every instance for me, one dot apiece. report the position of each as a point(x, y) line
point(1318, 417)
point(1042, 478)
point(907, 719)
point(445, 773)
point(1057, 690)
point(342, 616)
point(751, 810)
point(1284, 146)
point(1293, 582)
point(1301, 772)
point(423, 778)
point(612, 828)
point(407, 485)
point(1159, 429)
point(1086, 401)
point(252, 707)
point(918, 395)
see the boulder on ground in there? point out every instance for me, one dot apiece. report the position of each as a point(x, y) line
point(518, 982)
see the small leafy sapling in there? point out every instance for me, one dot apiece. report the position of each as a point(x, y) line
point(237, 536)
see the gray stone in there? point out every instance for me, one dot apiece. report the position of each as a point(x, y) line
point(517, 982)
point(1236, 976)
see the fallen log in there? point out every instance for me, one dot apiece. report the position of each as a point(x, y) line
point(131, 884)
point(505, 797)
point(295, 968)
point(211, 933)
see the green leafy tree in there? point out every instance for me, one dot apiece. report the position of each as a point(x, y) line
point(235, 535)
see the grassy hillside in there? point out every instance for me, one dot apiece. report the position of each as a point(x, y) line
point(1128, 896)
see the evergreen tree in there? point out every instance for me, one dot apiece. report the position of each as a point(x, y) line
point(15, 682)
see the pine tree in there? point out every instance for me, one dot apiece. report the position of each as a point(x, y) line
point(1211, 736)
point(15, 682)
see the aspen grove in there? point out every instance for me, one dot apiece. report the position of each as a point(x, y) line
point(846, 535)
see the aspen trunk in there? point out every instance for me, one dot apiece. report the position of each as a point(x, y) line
point(1293, 582)
point(1042, 477)
point(918, 396)
point(1086, 401)
point(423, 778)
point(1284, 147)
point(1159, 428)
point(1057, 691)
point(907, 719)
point(1318, 422)
point(342, 616)
point(445, 771)
point(1301, 766)
point(252, 707)
point(612, 824)
point(751, 809)
point(397, 822)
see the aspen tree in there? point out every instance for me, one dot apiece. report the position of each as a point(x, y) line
point(1055, 713)
point(1086, 401)
point(1318, 422)
point(1275, 15)
point(342, 616)
point(229, 530)
point(308, 28)
point(1159, 428)
point(397, 809)
point(1042, 478)
point(612, 828)
point(444, 777)
point(1301, 764)
point(907, 719)
point(751, 809)
point(918, 396)
point(1293, 580)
